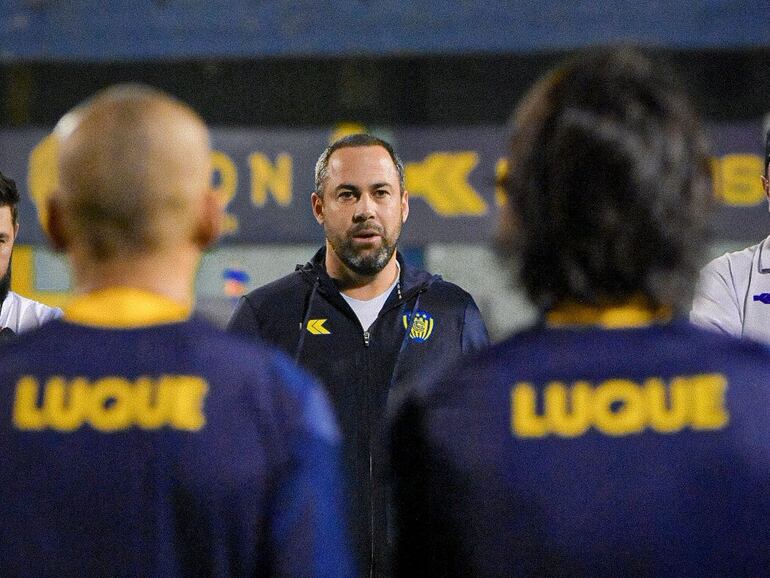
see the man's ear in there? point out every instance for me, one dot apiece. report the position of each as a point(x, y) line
point(55, 229)
point(766, 187)
point(209, 226)
point(317, 202)
point(404, 206)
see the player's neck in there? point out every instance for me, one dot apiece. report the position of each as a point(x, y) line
point(169, 273)
point(361, 287)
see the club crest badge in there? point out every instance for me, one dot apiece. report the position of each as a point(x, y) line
point(420, 328)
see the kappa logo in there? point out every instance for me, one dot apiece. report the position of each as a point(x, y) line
point(316, 327)
point(763, 298)
point(421, 326)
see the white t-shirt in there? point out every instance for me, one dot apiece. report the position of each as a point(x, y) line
point(733, 294)
point(21, 314)
point(367, 311)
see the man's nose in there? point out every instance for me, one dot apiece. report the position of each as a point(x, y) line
point(364, 208)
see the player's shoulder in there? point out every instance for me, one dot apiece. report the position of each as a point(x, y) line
point(728, 347)
point(239, 352)
point(55, 344)
point(436, 286)
point(450, 290)
point(735, 261)
point(288, 287)
point(261, 367)
point(469, 374)
point(531, 351)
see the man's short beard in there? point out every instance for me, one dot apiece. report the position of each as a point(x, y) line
point(366, 265)
point(5, 284)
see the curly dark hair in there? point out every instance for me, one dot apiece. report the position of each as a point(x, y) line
point(608, 185)
point(9, 197)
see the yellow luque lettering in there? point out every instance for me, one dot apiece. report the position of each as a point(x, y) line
point(619, 407)
point(668, 415)
point(190, 393)
point(568, 414)
point(709, 411)
point(111, 403)
point(26, 413)
point(110, 407)
point(65, 406)
point(628, 417)
point(268, 177)
point(525, 422)
point(152, 403)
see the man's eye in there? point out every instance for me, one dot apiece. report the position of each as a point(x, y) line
point(345, 195)
point(381, 193)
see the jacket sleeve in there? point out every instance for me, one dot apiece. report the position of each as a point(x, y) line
point(715, 305)
point(308, 531)
point(475, 336)
point(244, 321)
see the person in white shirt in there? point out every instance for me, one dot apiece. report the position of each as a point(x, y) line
point(17, 314)
point(733, 292)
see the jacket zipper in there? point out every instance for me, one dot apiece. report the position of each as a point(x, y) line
point(371, 515)
point(367, 339)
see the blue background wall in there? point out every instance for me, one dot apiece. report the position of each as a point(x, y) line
point(148, 29)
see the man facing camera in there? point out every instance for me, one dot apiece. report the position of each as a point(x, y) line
point(613, 438)
point(17, 314)
point(361, 319)
point(733, 292)
point(137, 440)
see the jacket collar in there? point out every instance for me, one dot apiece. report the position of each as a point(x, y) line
point(633, 313)
point(124, 308)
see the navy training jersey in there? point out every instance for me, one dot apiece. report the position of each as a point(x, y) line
point(163, 448)
point(589, 452)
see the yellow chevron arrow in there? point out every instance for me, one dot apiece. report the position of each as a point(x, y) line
point(442, 180)
point(316, 327)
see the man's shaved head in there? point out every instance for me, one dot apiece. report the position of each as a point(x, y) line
point(133, 166)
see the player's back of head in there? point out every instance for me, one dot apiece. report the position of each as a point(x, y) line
point(133, 165)
point(607, 184)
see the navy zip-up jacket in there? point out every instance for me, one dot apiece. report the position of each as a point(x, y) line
point(425, 324)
